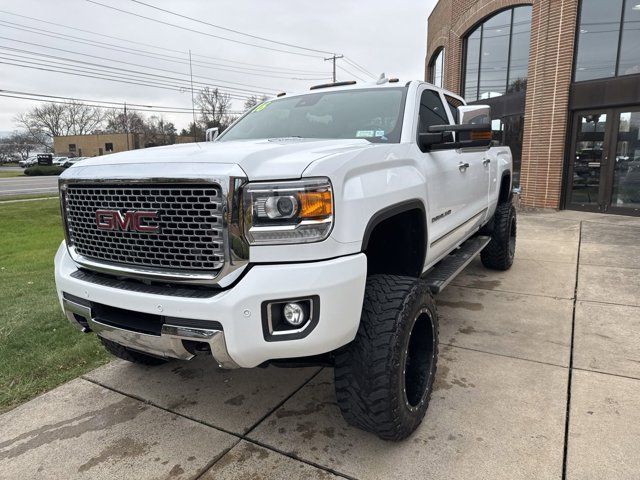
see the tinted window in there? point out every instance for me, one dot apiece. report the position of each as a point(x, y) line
point(473, 66)
point(520, 36)
point(436, 69)
point(371, 114)
point(497, 55)
point(454, 103)
point(598, 37)
point(432, 111)
point(630, 47)
point(494, 58)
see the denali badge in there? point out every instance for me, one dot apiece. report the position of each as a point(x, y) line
point(131, 221)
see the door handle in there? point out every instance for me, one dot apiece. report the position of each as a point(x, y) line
point(486, 161)
point(463, 166)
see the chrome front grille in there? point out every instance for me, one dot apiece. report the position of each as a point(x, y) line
point(189, 238)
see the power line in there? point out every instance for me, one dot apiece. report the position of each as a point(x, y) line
point(351, 74)
point(101, 106)
point(180, 85)
point(359, 67)
point(129, 63)
point(230, 29)
point(105, 102)
point(143, 53)
point(164, 49)
point(201, 32)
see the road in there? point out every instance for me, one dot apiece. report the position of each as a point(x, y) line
point(28, 185)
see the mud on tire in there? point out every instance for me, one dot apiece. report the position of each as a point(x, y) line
point(384, 377)
point(130, 355)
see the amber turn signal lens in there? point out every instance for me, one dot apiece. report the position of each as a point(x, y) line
point(314, 204)
point(486, 135)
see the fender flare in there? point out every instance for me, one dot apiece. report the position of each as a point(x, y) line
point(391, 211)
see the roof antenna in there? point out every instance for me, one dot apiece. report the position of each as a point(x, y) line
point(382, 79)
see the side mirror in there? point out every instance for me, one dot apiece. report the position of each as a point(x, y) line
point(211, 134)
point(474, 114)
point(440, 137)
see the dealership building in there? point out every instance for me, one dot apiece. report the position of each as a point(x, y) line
point(563, 80)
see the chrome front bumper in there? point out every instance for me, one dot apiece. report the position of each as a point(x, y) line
point(168, 344)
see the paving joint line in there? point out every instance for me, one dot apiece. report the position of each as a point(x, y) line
point(153, 404)
point(262, 419)
point(600, 372)
point(600, 302)
point(509, 291)
point(504, 355)
point(565, 450)
point(301, 460)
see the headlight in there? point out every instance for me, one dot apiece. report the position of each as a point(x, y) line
point(298, 211)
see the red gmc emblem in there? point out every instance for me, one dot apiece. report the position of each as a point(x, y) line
point(132, 221)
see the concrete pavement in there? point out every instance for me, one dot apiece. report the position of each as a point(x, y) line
point(28, 185)
point(538, 378)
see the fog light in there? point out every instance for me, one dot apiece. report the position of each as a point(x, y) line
point(294, 314)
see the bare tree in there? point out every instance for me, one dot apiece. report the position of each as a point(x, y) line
point(254, 100)
point(158, 131)
point(214, 108)
point(117, 121)
point(82, 119)
point(49, 120)
point(22, 144)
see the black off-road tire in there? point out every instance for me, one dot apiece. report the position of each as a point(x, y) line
point(384, 378)
point(130, 355)
point(500, 252)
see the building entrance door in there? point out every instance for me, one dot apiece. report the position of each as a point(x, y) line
point(604, 166)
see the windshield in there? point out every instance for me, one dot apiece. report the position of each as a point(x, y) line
point(373, 114)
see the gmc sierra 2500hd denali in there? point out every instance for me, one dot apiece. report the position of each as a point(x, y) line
point(314, 230)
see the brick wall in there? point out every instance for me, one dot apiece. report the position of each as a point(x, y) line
point(550, 63)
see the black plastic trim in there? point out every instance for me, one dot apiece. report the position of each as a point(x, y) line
point(313, 321)
point(389, 212)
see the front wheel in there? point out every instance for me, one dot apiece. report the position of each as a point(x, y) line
point(385, 376)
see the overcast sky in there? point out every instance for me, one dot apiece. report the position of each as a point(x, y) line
point(381, 36)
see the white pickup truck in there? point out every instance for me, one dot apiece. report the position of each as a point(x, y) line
point(314, 230)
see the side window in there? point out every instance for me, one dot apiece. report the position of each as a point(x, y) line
point(432, 111)
point(454, 103)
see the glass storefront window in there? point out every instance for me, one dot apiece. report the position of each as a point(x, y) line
point(626, 174)
point(630, 46)
point(599, 33)
point(608, 39)
point(436, 69)
point(473, 66)
point(497, 55)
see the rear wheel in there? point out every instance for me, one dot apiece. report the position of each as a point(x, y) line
point(501, 250)
point(130, 355)
point(385, 376)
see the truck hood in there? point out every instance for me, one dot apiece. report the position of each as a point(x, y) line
point(260, 159)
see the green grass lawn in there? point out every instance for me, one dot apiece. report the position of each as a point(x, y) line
point(11, 173)
point(39, 349)
point(28, 196)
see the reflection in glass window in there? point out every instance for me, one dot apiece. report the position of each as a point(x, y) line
point(497, 55)
point(630, 46)
point(473, 66)
point(626, 175)
point(599, 33)
point(436, 69)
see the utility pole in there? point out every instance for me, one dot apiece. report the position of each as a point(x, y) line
point(126, 124)
point(193, 102)
point(334, 57)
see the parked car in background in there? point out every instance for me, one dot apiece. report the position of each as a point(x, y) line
point(59, 161)
point(29, 161)
point(72, 161)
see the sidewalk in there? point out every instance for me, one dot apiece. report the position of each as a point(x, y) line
point(538, 378)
